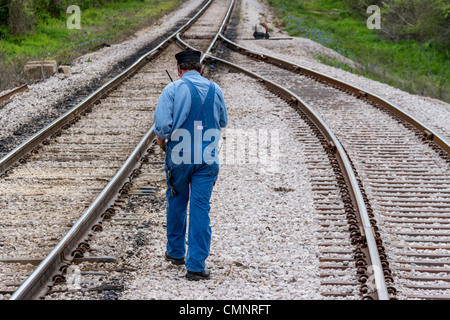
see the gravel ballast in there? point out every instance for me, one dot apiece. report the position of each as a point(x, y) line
point(264, 243)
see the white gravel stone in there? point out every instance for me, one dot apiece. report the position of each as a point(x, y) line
point(263, 244)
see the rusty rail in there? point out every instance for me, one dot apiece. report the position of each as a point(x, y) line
point(367, 231)
point(35, 285)
point(5, 97)
point(351, 89)
point(54, 127)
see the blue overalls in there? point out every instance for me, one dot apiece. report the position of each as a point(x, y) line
point(192, 180)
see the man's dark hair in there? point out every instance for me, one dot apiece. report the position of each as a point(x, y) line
point(190, 66)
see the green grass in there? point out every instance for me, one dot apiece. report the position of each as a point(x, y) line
point(51, 38)
point(111, 22)
point(407, 64)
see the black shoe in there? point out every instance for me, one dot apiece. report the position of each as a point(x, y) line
point(191, 275)
point(174, 261)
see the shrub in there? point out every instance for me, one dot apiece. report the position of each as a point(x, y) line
point(422, 20)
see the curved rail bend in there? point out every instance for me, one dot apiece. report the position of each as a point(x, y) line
point(7, 161)
point(344, 163)
point(354, 90)
point(215, 41)
point(35, 284)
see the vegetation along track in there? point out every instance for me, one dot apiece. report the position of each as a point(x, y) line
point(347, 262)
point(58, 185)
point(402, 167)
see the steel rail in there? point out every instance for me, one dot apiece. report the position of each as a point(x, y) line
point(393, 110)
point(35, 285)
point(345, 165)
point(344, 162)
point(214, 43)
point(221, 29)
point(15, 155)
point(355, 90)
point(5, 97)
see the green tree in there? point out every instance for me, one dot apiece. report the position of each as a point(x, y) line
point(4, 12)
point(422, 20)
point(21, 18)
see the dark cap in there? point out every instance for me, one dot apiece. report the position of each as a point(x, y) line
point(188, 56)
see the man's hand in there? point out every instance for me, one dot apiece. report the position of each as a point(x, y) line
point(161, 142)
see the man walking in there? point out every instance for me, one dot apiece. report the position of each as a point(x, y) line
point(188, 121)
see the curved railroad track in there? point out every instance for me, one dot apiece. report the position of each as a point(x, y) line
point(58, 185)
point(4, 98)
point(402, 165)
point(375, 240)
point(351, 266)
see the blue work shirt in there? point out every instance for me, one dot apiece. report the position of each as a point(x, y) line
point(174, 104)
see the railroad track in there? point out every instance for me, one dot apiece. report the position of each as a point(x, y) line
point(103, 272)
point(60, 184)
point(346, 261)
point(4, 98)
point(345, 205)
point(402, 167)
point(345, 198)
point(340, 197)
